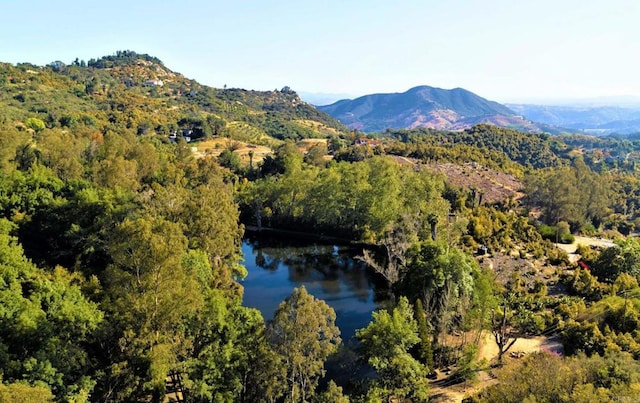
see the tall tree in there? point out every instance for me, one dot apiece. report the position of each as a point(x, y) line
point(152, 293)
point(443, 278)
point(304, 333)
point(230, 358)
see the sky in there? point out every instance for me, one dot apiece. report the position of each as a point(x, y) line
point(503, 50)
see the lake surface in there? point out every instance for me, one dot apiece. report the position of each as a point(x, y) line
point(329, 272)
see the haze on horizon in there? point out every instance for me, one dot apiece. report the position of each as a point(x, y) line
point(501, 50)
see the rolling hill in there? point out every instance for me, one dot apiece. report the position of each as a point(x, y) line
point(427, 107)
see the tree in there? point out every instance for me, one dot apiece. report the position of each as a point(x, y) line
point(623, 257)
point(425, 351)
point(333, 394)
point(547, 377)
point(386, 342)
point(35, 124)
point(304, 333)
point(503, 331)
point(152, 293)
point(443, 278)
point(230, 160)
point(230, 358)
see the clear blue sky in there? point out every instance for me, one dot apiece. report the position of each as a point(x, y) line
point(504, 50)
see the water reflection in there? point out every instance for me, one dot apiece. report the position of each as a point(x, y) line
point(277, 265)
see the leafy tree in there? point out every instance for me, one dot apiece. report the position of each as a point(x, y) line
point(315, 155)
point(623, 257)
point(425, 351)
point(230, 358)
point(386, 343)
point(23, 392)
point(504, 331)
point(443, 278)
point(304, 334)
point(230, 160)
point(573, 194)
point(547, 377)
point(333, 394)
point(152, 293)
point(35, 124)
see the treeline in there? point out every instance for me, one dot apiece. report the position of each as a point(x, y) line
point(526, 149)
point(359, 201)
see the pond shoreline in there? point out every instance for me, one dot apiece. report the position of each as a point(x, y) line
point(313, 236)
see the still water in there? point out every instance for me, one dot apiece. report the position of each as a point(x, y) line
point(329, 272)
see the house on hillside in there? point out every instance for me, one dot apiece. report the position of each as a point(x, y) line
point(364, 141)
point(154, 83)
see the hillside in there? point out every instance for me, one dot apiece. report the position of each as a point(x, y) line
point(136, 92)
point(424, 107)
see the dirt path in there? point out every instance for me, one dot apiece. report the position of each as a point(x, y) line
point(443, 391)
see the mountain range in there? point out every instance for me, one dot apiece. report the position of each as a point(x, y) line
point(137, 92)
point(459, 109)
point(588, 119)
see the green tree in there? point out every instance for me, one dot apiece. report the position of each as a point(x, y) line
point(35, 124)
point(152, 293)
point(386, 342)
point(23, 392)
point(230, 358)
point(425, 351)
point(333, 394)
point(443, 278)
point(304, 334)
point(623, 257)
point(230, 160)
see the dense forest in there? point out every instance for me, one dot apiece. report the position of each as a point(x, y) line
point(121, 268)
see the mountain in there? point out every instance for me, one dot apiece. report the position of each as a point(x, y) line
point(424, 106)
point(137, 93)
point(584, 118)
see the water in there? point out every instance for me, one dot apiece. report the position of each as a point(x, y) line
point(329, 272)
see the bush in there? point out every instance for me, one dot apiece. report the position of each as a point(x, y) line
point(567, 239)
point(35, 124)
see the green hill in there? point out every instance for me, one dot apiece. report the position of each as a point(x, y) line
point(136, 92)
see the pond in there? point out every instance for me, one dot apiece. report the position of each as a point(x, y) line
point(277, 265)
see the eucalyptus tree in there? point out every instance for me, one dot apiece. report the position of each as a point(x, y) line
point(303, 332)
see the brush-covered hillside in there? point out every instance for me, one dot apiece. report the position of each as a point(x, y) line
point(137, 93)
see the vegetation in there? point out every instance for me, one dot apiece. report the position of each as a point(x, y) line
point(120, 251)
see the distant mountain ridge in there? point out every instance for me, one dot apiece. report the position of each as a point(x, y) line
point(590, 119)
point(424, 106)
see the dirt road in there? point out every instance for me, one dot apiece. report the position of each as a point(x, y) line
point(583, 240)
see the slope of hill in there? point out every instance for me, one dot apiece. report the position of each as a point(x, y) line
point(424, 106)
point(136, 92)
